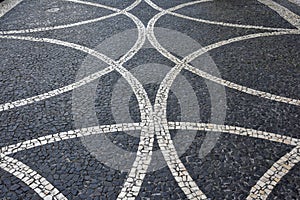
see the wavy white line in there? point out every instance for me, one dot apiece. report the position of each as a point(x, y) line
point(30, 177)
point(147, 136)
point(180, 64)
point(270, 179)
point(86, 80)
point(56, 92)
point(44, 140)
point(178, 170)
point(147, 133)
point(48, 139)
point(297, 2)
point(135, 178)
point(117, 12)
point(184, 63)
point(6, 6)
point(32, 30)
point(285, 13)
point(235, 130)
point(170, 11)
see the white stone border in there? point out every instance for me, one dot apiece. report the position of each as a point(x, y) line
point(297, 2)
point(247, 132)
point(31, 178)
point(270, 179)
point(235, 130)
point(40, 29)
point(21, 146)
point(170, 11)
point(7, 5)
point(285, 13)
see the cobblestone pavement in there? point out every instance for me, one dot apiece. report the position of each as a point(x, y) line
point(149, 99)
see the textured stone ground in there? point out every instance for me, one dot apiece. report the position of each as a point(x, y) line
point(150, 99)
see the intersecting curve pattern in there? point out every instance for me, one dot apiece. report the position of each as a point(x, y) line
point(153, 120)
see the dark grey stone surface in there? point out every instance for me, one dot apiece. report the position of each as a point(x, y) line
point(235, 164)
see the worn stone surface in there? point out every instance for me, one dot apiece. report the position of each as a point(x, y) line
point(150, 100)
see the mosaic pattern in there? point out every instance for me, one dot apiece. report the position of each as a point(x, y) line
point(22, 150)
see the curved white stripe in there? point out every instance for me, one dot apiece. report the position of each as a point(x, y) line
point(14, 148)
point(64, 43)
point(232, 85)
point(31, 178)
point(178, 170)
point(147, 133)
point(170, 11)
point(271, 178)
point(236, 131)
point(285, 13)
point(228, 24)
point(203, 50)
point(133, 184)
point(6, 6)
point(56, 92)
point(95, 5)
point(28, 144)
point(297, 2)
point(160, 105)
point(86, 80)
point(32, 30)
point(194, 55)
point(203, 74)
point(241, 88)
point(117, 12)
point(171, 125)
point(144, 103)
point(135, 85)
point(130, 7)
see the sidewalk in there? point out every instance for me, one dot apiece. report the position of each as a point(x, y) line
point(148, 99)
